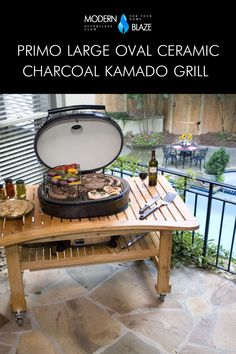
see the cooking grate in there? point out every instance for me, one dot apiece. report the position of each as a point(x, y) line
point(45, 193)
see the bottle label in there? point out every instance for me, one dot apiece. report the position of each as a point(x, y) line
point(153, 170)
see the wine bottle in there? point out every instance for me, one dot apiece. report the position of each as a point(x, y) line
point(152, 169)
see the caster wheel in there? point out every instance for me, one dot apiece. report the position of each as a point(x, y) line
point(162, 297)
point(113, 243)
point(20, 322)
point(19, 319)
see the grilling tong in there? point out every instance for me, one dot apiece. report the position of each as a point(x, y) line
point(130, 243)
point(147, 210)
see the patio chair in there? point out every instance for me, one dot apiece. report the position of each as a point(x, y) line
point(169, 154)
point(198, 157)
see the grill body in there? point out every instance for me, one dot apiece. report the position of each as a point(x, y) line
point(89, 138)
point(74, 209)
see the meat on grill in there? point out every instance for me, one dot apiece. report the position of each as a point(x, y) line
point(96, 184)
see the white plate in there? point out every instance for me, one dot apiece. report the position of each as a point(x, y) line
point(15, 208)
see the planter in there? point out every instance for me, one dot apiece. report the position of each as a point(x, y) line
point(144, 147)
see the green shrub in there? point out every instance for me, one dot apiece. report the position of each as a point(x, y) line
point(188, 250)
point(182, 183)
point(226, 136)
point(222, 136)
point(217, 162)
point(149, 140)
point(126, 163)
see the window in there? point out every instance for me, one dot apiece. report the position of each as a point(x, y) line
point(19, 122)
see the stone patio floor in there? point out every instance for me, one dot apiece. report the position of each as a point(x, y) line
point(113, 309)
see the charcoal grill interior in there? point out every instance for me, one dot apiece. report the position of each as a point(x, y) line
point(77, 207)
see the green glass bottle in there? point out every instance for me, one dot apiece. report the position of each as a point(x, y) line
point(20, 189)
point(152, 169)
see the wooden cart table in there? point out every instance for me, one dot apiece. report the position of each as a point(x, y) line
point(39, 227)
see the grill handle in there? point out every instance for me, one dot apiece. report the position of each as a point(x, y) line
point(76, 107)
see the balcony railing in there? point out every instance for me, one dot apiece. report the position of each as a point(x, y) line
point(214, 205)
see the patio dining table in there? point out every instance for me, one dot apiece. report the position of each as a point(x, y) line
point(185, 150)
point(18, 235)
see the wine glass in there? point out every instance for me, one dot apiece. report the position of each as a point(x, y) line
point(143, 173)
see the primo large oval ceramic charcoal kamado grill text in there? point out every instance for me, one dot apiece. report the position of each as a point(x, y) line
point(80, 137)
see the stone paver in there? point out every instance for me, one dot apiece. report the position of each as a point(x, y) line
point(4, 349)
point(36, 282)
point(202, 333)
point(5, 309)
point(78, 326)
point(35, 342)
point(131, 344)
point(167, 328)
point(225, 329)
point(8, 338)
point(189, 349)
point(12, 326)
point(4, 284)
point(197, 306)
point(60, 291)
point(3, 320)
point(90, 276)
point(115, 310)
point(223, 291)
point(187, 283)
point(130, 289)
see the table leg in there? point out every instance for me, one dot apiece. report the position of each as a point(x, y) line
point(165, 249)
point(15, 279)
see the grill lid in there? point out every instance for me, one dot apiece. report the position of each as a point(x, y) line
point(72, 135)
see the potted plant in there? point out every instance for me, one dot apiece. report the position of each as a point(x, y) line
point(217, 163)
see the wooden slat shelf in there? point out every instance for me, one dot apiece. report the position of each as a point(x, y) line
point(47, 257)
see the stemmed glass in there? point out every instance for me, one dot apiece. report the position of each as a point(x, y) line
point(143, 173)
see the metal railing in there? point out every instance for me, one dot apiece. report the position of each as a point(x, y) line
point(216, 198)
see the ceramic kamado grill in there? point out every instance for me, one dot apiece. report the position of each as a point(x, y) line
point(76, 143)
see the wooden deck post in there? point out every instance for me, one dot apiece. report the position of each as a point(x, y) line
point(15, 279)
point(163, 286)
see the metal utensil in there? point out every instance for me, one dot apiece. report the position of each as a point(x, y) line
point(149, 204)
point(167, 200)
point(130, 243)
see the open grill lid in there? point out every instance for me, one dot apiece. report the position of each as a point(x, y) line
point(72, 135)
